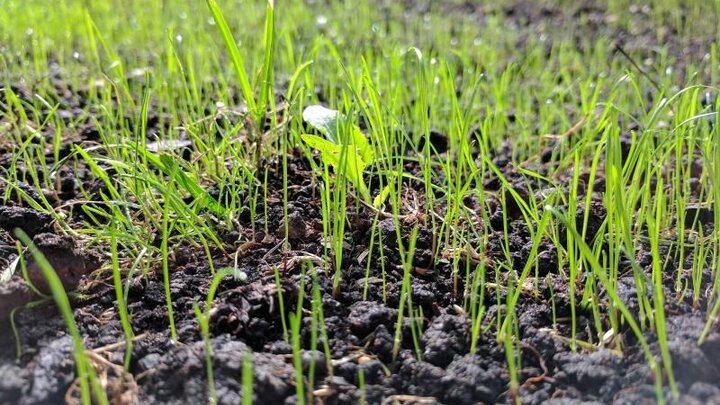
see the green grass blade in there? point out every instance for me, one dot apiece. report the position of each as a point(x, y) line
point(266, 87)
point(235, 55)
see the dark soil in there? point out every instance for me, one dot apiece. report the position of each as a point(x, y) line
point(246, 317)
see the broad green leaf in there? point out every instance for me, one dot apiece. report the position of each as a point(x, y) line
point(326, 120)
point(362, 145)
point(323, 119)
point(322, 145)
point(379, 200)
point(352, 167)
point(358, 152)
point(332, 152)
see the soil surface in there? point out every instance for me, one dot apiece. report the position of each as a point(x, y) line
point(37, 367)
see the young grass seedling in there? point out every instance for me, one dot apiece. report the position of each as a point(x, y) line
point(204, 321)
point(120, 297)
point(406, 258)
point(295, 326)
point(247, 380)
point(257, 106)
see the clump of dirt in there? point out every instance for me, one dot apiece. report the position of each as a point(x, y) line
point(28, 220)
point(69, 261)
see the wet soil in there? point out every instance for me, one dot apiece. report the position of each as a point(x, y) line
point(36, 363)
